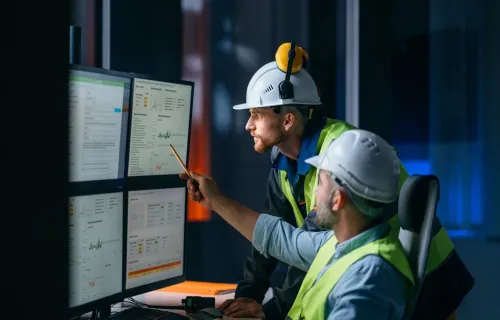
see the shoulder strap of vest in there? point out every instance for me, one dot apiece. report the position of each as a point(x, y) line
point(324, 255)
point(287, 191)
point(331, 131)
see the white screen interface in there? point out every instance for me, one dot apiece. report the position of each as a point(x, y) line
point(98, 109)
point(155, 239)
point(160, 117)
point(95, 245)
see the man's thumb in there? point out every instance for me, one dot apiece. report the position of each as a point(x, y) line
point(196, 176)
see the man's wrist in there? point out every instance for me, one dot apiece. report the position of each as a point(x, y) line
point(217, 202)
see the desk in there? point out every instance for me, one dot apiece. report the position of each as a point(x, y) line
point(126, 305)
point(118, 309)
point(161, 298)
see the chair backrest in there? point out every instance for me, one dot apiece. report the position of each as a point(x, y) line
point(417, 206)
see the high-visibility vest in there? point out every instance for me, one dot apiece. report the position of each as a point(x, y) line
point(311, 300)
point(440, 246)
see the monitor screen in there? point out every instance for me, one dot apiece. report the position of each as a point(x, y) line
point(95, 247)
point(160, 117)
point(98, 108)
point(155, 237)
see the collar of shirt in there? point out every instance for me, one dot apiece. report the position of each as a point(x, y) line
point(307, 150)
point(372, 234)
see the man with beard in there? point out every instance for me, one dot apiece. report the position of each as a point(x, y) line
point(358, 271)
point(281, 97)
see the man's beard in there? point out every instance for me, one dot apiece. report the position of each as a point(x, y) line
point(266, 143)
point(326, 218)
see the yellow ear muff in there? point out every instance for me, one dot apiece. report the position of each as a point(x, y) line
point(299, 62)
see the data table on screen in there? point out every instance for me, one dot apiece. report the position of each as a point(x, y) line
point(98, 108)
point(155, 237)
point(160, 118)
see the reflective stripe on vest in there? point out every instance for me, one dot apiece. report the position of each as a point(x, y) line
point(287, 191)
point(311, 300)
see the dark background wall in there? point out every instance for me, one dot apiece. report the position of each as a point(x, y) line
point(143, 37)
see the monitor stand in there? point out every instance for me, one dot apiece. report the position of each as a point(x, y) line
point(104, 312)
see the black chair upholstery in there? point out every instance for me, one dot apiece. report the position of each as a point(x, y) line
point(417, 206)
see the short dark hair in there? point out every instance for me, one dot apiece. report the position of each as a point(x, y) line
point(303, 109)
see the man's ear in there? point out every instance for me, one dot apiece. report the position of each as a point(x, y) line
point(288, 120)
point(338, 200)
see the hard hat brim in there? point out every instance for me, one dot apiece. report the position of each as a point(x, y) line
point(244, 106)
point(314, 161)
point(241, 106)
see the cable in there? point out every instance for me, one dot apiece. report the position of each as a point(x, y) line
point(137, 303)
point(190, 304)
point(140, 304)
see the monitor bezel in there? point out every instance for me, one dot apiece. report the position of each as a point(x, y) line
point(137, 181)
point(114, 182)
point(109, 300)
point(150, 182)
point(149, 287)
point(92, 187)
point(134, 183)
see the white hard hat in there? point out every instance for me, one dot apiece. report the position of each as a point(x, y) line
point(364, 162)
point(263, 90)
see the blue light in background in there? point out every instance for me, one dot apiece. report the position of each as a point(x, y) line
point(456, 224)
point(417, 166)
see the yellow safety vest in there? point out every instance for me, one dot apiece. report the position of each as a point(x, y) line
point(440, 246)
point(313, 294)
point(332, 130)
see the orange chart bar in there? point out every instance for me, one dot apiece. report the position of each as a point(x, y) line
point(161, 267)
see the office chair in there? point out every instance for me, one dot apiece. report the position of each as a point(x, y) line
point(417, 205)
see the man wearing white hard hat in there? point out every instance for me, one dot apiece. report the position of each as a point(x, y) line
point(281, 98)
point(355, 270)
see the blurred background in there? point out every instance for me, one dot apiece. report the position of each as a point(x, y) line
point(424, 74)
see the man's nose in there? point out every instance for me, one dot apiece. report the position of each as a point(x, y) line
point(249, 126)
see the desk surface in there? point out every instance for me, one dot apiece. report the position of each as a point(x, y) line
point(118, 309)
point(161, 298)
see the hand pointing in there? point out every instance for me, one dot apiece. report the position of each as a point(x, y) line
point(204, 190)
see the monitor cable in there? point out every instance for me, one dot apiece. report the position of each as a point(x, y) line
point(190, 304)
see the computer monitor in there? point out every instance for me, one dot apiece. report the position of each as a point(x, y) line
point(155, 239)
point(99, 102)
point(96, 231)
point(161, 115)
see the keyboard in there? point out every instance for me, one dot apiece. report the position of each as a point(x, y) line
point(136, 313)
